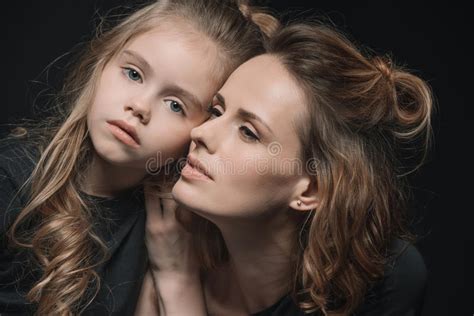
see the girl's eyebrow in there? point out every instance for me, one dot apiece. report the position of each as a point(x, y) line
point(191, 98)
point(139, 59)
point(172, 89)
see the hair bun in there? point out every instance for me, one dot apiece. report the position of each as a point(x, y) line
point(384, 65)
point(414, 104)
point(411, 101)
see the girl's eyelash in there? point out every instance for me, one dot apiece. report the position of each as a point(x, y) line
point(248, 134)
point(129, 70)
point(180, 108)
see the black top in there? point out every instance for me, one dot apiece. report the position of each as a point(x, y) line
point(120, 223)
point(400, 293)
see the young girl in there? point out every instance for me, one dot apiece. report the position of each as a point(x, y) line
point(71, 200)
point(299, 178)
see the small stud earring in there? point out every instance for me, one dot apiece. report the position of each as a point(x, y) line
point(298, 203)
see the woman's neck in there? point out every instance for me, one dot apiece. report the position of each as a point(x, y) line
point(261, 258)
point(107, 180)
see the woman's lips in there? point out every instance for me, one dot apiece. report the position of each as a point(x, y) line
point(124, 132)
point(195, 170)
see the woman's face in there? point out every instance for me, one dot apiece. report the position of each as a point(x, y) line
point(249, 148)
point(150, 96)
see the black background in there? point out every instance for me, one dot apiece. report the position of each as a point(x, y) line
point(433, 39)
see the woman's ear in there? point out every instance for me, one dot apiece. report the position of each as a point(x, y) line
point(306, 194)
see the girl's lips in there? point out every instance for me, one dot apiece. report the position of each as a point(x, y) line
point(129, 129)
point(124, 135)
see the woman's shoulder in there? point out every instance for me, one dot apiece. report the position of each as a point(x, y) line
point(399, 293)
point(406, 267)
point(402, 289)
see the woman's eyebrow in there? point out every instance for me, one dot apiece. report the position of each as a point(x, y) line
point(252, 116)
point(221, 99)
point(244, 113)
point(139, 59)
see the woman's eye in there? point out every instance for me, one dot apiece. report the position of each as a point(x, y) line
point(132, 74)
point(213, 111)
point(175, 106)
point(248, 134)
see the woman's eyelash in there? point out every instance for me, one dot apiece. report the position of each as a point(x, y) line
point(211, 109)
point(248, 134)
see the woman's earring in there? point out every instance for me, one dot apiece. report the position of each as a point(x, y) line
point(298, 203)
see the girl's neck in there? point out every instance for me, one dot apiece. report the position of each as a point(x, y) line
point(261, 258)
point(106, 180)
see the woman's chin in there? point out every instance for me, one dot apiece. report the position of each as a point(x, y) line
point(183, 194)
point(187, 195)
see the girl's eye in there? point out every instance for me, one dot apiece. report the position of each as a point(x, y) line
point(213, 111)
point(175, 106)
point(248, 134)
point(132, 74)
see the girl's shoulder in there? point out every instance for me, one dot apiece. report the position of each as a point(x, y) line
point(18, 157)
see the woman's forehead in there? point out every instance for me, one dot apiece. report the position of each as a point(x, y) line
point(263, 86)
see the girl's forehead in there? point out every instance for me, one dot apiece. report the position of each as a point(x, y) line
point(178, 28)
point(174, 65)
point(181, 37)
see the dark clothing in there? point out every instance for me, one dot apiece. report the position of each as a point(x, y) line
point(120, 222)
point(400, 293)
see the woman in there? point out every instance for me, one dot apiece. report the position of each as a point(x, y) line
point(71, 199)
point(299, 184)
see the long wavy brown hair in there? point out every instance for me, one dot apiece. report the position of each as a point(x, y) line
point(364, 114)
point(56, 224)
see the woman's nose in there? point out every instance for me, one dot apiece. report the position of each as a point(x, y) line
point(205, 135)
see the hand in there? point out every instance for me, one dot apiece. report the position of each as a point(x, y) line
point(173, 264)
point(169, 244)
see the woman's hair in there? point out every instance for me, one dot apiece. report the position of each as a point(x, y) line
point(56, 223)
point(363, 113)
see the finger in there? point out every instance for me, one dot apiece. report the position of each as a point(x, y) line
point(165, 195)
point(153, 205)
point(169, 209)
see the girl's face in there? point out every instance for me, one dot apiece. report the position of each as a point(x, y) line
point(150, 96)
point(245, 160)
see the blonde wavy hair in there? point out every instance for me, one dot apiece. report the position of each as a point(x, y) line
point(56, 224)
point(363, 114)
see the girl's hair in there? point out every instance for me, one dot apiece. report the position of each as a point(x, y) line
point(56, 223)
point(363, 114)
